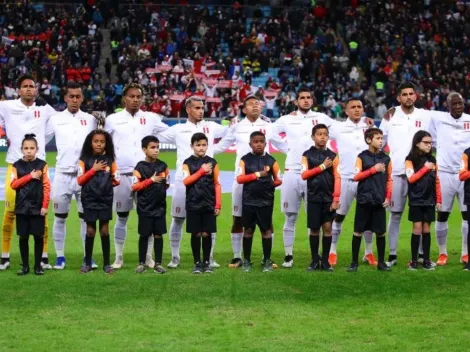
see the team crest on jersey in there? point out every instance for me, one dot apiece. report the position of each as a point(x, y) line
point(143, 120)
point(263, 131)
point(418, 123)
point(118, 205)
point(235, 208)
point(178, 210)
point(314, 122)
point(37, 114)
point(286, 205)
point(205, 129)
point(466, 125)
point(83, 122)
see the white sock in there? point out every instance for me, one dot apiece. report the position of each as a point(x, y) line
point(120, 234)
point(289, 233)
point(150, 247)
point(213, 236)
point(393, 232)
point(464, 237)
point(441, 235)
point(237, 240)
point(83, 234)
point(176, 230)
point(335, 232)
point(59, 233)
point(368, 239)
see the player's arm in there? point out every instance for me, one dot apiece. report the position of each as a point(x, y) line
point(279, 127)
point(16, 182)
point(168, 135)
point(226, 141)
point(384, 126)
point(2, 120)
point(115, 176)
point(306, 173)
point(49, 130)
point(46, 187)
point(276, 174)
point(464, 174)
point(411, 175)
point(167, 177)
point(278, 142)
point(159, 126)
point(219, 130)
point(388, 189)
point(218, 187)
point(242, 177)
point(190, 179)
point(84, 177)
point(438, 189)
point(337, 180)
point(360, 175)
point(138, 184)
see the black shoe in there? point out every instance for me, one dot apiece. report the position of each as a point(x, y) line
point(236, 263)
point(206, 268)
point(23, 271)
point(85, 269)
point(413, 266)
point(466, 267)
point(314, 266)
point(352, 268)
point(39, 271)
point(325, 266)
point(267, 266)
point(428, 265)
point(197, 268)
point(381, 266)
point(4, 263)
point(247, 266)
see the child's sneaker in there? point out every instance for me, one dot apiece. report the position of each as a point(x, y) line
point(45, 264)
point(381, 266)
point(428, 265)
point(197, 268)
point(4, 263)
point(325, 266)
point(268, 266)
point(159, 269)
point(23, 271)
point(85, 269)
point(236, 263)
point(39, 271)
point(247, 266)
point(352, 268)
point(413, 266)
point(466, 267)
point(108, 270)
point(140, 268)
point(207, 268)
point(314, 266)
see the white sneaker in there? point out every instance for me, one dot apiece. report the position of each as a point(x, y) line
point(118, 263)
point(214, 264)
point(149, 262)
point(175, 262)
point(391, 263)
point(288, 262)
point(59, 263)
point(46, 266)
point(5, 265)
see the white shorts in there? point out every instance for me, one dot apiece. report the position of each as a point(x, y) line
point(123, 195)
point(399, 194)
point(64, 187)
point(178, 201)
point(237, 198)
point(348, 193)
point(293, 190)
point(451, 187)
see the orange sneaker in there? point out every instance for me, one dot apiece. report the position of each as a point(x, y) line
point(370, 259)
point(332, 258)
point(464, 259)
point(442, 260)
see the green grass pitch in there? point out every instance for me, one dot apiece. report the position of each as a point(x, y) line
point(232, 311)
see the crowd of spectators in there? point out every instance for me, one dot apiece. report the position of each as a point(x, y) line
point(340, 49)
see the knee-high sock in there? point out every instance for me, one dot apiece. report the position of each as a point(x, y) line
point(206, 248)
point(213, 236)
point(106, 246)
point(120, 233)
point(83, 234)
point(415, 239)
point(426, 240)
point(7, 231)
point(289, 232)
point(158, 248)
point(59, 233)
point(176, 230)
point(196, 248)
point(368, 239)
point(45, 245)
point(464, 229)
point(335, 232)
point(237, 239)
point(247, 245)
point(143, 244)
point(267, 247)
point(24, 250)
point(89, 242)
point(150, 248)
point(38, 248)
point(393, 232)
point(380, 248)
point(441, 236)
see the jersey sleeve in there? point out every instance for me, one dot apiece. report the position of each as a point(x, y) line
point(278, 142)
point(277, 174)
point(217, 187)
point(337, 180)
point(138, 184)
point(46, 187)
point(84, 177)
point(219, 130)
point(16, 182)
point(49, 134)
point(109, 125)
point(384, 124)
point(190, 179)
point(279, 126)
point(115, 176)
point(226, 141)
point(389, 186)
point(242, 177)
point(159, 126)
point(168, 135)
point(306, 173)
point(464, 174)
point(360, 175)
point(411, 175)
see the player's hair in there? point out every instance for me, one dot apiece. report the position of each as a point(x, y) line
point(132, 85)
point(251, 96)
point(353, 99)
point(303, 89)
point(29, 137)
point(453, 94)
point(256, 134)
point(87, 149)
point(197, 137)
point(193, 98)
point(415, 152)
point(320, 126)
point(72, 85)
point(149, 139)
point(24, 78)
point(405, 85)
point(371, 132)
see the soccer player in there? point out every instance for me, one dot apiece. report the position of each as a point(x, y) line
point(464, 176)
point(349, 137)
point(398, 133)
point(240, 134)
point(203, 200)
point(374, 190)
point(424, 196)
point(70, 128)
point(320, 170)
point(98, 175)
point(451, 131)
point(127, 128)
point(180, 135)
point(150, 185)
point(30, 180)
point(258, 172)
point(17, 118)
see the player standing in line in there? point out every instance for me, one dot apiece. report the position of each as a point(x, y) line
point(19, 117)
point(320, 170)
point(70, 128)
point(180, 135)
point(374, 174)
point(127, 129)
point(398, 133)
point(349, 137)
point(240, 134)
